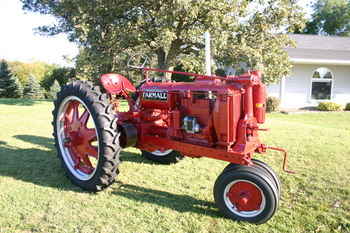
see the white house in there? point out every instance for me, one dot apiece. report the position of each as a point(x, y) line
point(321, 72)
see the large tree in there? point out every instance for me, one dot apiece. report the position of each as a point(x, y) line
point(172, 30)
point(330, 17)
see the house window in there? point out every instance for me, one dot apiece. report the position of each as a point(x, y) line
point(321, 87)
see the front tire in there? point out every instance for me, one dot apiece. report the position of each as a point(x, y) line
point(86, 136)
point(270, 172)
point(260, 165)
point(246, 194)
point(163, 157)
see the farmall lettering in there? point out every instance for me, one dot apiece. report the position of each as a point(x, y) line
point(155, 95)
point(214, 117)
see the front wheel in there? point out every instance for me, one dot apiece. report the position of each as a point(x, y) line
point(246, 194)
point(260, 165)
point(163, 156)
point(86, 136)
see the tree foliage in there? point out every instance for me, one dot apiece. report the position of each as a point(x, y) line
point(55, 87)
point(5, 75)
point(330, 17)
point(10, 86)
point(23, 70)
point(60, 74)
point(32, 89)
point(172, 31)
point(15, 88)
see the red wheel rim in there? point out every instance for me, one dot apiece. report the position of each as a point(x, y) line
point(244, 198)
point(76, 138)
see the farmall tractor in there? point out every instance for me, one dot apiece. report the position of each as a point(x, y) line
point(215, 117)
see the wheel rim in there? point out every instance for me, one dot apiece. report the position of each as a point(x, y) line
point(78, 141)
point(162, 152)
point(244, 198)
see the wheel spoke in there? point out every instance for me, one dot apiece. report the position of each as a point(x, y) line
point(72, 112)
point(84, 118)
point(90, 135)
point(85, 159)
point(92, 151)
point(75, 111)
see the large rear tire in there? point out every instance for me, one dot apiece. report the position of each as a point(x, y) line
point(86, 136)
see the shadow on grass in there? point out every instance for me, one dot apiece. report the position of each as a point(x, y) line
point(180, 203)
point(34, 165)
point(41, 167)
point(136, 158)
point(18, 102)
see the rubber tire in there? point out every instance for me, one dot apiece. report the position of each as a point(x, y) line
point(255, 176)
point(172, 157)
point(258, 163)
point(105, 121)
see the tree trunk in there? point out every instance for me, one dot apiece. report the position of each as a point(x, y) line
point(162, 64)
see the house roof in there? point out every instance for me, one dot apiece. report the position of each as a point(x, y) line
point(314, 49)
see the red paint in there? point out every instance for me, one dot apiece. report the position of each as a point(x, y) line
point(259, 102)
point(117, 84)
point(227, 111)
point(79, 137)
point(245, 196)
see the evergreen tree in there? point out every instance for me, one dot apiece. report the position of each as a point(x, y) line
point(32, 89)
point(5, 75)
point(14, 88)
point(54, 89)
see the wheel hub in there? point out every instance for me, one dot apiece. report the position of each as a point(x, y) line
point(245, 196)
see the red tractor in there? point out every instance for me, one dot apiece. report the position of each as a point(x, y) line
point(215, 117)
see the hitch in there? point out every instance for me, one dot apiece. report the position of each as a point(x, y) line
point(285, 157)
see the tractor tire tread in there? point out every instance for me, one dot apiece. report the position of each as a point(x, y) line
point(109, 149)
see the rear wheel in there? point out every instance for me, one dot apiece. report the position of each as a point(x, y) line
point(246, 194)
point(86, 136)
point(163, 156)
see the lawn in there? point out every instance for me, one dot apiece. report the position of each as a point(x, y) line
point(35, 195)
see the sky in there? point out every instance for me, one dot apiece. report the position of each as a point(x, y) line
point(18, 42)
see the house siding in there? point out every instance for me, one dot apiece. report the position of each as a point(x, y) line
point(298, 86)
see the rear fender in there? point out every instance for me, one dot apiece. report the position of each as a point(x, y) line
point(117, 84)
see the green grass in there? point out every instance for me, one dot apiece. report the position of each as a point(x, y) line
point(35, 195)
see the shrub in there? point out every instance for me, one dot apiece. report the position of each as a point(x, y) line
point(347, 107)
point(329, 106)
point(272, 104)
